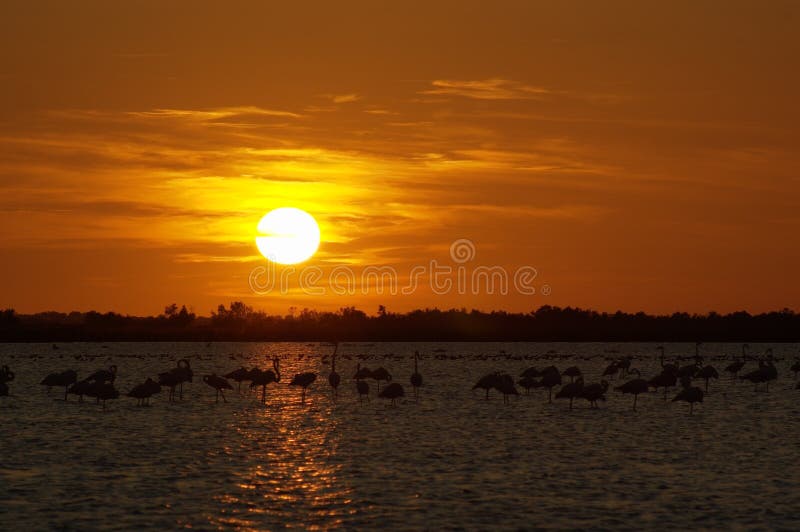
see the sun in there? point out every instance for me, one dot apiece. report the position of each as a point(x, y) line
point(287, 235)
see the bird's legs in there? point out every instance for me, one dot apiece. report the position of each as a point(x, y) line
point(635, 397)
point(223, 396)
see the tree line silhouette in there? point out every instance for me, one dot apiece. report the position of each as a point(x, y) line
point(239, 321)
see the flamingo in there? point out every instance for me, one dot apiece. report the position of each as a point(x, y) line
point(362, 387)
point(635, 386)
point(765, 373)
point(393, 391)
point(65, 378)
point(550, 378)
point(527, 382)
point(487, 382)
point(142, 392)
point(238, 375)
point(176, 377)
point(737, 366)
point(262, 378)
point(665, 379)
point(531, 372)
point(706, 373)
point(571, 391)
point(416, 377)
point(381, 374)
point(611, 370)
point(304, 380)
point(669, 367)
point(3, 389)
point(594, 392)
point(690, 394)
point(572, 372)
point(82, 388)
point(219, 384)
point(104, 375)
point(504, 384)
point(102, 391)
point(334, 378)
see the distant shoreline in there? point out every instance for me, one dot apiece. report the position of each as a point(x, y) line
point(240, 323)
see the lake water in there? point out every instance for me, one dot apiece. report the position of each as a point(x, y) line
point(450, 460)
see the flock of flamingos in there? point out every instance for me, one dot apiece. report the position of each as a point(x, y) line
point(100, 384)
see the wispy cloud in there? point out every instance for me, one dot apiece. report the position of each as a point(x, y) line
point(486, 89)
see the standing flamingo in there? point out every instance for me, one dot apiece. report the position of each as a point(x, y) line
point(65, 378)
point(595, 392)
point(737, 366)
point(304, 380)
point(175, 378)
point(416, 377)
point(706, 373)
point(571, 390)
point(6, 376)
point(635, 386)
point(238, 375)
point(393, 391)
point(380, 374)
point(219, 384)
point(334, 378)
point(362, 387)
point(262, 378)
point(690, 394)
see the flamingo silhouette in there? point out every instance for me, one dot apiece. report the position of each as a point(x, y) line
point(65, 379)
point(334, 378)
point(175, 378)
point(665, 379)
point(594, 392)
point(219, 384)
point(262, 378)
point(691, 395)
point(142, 392)
point(737, 366)
point(102, 391)
point(82, 388)
point(487, 382)
point(304, 380)
point(635, 387)
point(238, 375)
point(571, 390)
point(380, 374)
point(362, 387)
point(104, 375)
point(706, 373)
point(504, 384)
point(572, 372)
point(416, 377)
point(393, 391)
point(669, 367)
point(550, 378)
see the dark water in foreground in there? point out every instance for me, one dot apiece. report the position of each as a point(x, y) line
point(453, 460)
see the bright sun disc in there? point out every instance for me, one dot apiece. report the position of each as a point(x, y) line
point(288, 235)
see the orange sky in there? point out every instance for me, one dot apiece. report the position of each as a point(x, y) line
point(639, 155)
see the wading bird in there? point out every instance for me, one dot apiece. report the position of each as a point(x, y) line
point(635, 387)
point(262, 378)
point(65, 379)
point(416, 377)
point(219, 384)
point(304, 380)
point(393, 391)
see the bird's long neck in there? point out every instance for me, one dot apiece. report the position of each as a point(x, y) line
point(416, 355)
